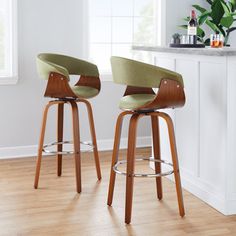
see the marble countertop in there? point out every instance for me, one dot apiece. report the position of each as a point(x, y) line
point(227, 51)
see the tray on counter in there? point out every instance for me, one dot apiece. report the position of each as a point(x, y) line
point(172, 45)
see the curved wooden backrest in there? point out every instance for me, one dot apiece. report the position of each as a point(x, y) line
point(57, 68)
point(140, 78)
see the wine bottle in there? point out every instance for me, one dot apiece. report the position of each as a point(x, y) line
point(192, 28)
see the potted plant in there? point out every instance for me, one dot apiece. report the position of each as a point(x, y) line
point(176, 38)
point(219, 16)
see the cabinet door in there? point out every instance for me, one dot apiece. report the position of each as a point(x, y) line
point(213, 122)
point(187, 117)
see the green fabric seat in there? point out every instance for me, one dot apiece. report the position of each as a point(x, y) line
point(140, 75)
point(132, 102)
point(57, 69)
point(88, 85)
point(85, 91)
point(142, 99)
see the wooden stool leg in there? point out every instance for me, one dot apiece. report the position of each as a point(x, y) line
point(94, 140)
point(60, 115)
point(175, 164)
point(157, 153)
point(115, 156)
point(40, 147)
point(76, 141)
point(130, 166)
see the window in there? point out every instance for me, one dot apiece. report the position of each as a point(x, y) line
point(8, 57)
point(114, 26)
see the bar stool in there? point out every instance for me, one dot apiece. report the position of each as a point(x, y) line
point(56, 69)
point(139, 100)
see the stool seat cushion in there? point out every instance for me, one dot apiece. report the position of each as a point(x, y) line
point(135, 101)
point(85, 91)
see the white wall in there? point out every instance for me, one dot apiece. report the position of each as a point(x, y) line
point(57, 26)
point(49, 26)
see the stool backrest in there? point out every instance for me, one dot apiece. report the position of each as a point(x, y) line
point(65, 65)
point(139, 74)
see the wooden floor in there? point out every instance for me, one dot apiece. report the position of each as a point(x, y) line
point(56, 209)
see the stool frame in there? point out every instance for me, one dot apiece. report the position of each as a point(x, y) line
point(170, 95)
point(56, 68)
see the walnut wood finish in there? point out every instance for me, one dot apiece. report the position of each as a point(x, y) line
point(90, 81)
point(93, 135)
point(170, 95)
point(58, 87)
point(76, 142)
point(175, 161)
point(157, 153)
point(138, 90)
point(60, 117)
point(115, 153)
point(41, 140)
point(130, 165)
point(76, 139)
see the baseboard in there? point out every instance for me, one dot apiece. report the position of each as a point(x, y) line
point(103, 145)
point(203, 191)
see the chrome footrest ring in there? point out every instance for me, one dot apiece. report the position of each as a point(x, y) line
point(115, 168)
point(65, 152)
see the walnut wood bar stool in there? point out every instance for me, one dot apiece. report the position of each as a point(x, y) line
point(56, 69)
point(138, 101)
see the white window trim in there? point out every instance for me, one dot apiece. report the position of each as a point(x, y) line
point(162, 18)
point(161, 6)
point(13, 78)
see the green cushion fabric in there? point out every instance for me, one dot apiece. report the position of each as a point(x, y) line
point(139, 74)
point(65, 65)
point(131, 102)
point(85, 91)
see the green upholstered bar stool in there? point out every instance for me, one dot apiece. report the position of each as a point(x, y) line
point(56, 69)
point(138, 101)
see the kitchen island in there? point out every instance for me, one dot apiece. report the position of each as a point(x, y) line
point(206, 126)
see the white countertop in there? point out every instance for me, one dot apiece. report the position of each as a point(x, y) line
point(208, 51)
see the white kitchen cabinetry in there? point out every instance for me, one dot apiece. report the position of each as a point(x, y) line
point(206, 126)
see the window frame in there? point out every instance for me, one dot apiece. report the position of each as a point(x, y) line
point(12, 77)
point(161, 8)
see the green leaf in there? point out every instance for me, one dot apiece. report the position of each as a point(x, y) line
point(202, 18)
point(199, 8)
point(233, 5)
point(217, 11)
point(200, 32)
point(226, 8)
point(212, 25)
point(186, 19)
point(183, 26)
point(227, 21)
point(209, 1)
point(207, 42)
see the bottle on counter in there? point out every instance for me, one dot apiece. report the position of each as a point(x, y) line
point(192, 28)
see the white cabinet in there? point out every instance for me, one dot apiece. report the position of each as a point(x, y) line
point(187, 132)
point(205, 127)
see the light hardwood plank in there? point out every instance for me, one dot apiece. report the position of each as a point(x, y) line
point(56, 209)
